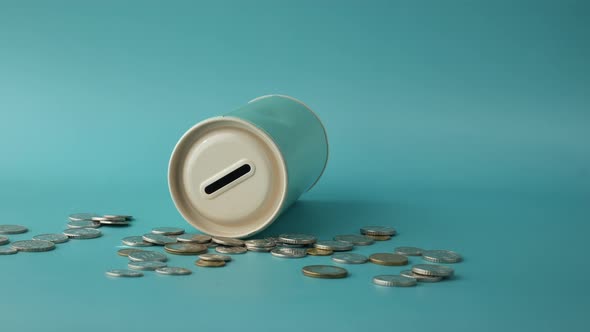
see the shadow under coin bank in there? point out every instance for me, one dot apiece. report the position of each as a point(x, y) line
point(325, 219)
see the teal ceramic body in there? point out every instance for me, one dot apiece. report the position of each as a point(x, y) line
point(233, 175)
point(299, 134)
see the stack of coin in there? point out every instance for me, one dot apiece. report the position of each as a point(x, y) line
point(262, 245)
point(378, 233)
point(212, 260)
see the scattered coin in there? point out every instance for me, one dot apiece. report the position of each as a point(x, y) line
point(227, 241)
point(433, 270)
point(12, 229)
point(419, 277)
point(357, 240)
point(173, 271)
point(260, 243)
point(83, 233)
point(319, 252)
point(297, 239)
point(334, 245)
point(324, 271)
point(408, 251)
point(55, 238)
point(126, 251)
point(388, 259)
point(215, 257)
point(288, 245)
point(83, 224)
point(33, 245)
point(289, 252)
point(140, 256)
point(3, 240)
point(146, 265)
point(115, 222)
point(394, 281)
point(185, 248)
point(124, 273)
point(230, 250)
point(378, 230)
point(206, 263)
point(103, 218)
point(136, 241)
point(194, 238)
point(158, 239)
point(118, 216)
point(441, 256)
point(168, 230)
point(379, 237)
point(7, 251)
point(349, 258)
point(82, 216)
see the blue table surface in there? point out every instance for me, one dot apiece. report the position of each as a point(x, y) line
point(463, 124)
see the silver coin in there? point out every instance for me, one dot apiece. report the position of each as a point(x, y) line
point(349, 258)
point(135, 241)
point(408, 251)
point(289, 252)
point(55, 238)
point(394, 281)
point(82, 216)
point(297, 238)
point(215, 257)
point(83, 233)
point(433, 270)
point(146, 265)
point(142, 256)
point(260, 249)
point(3, 240)
point(441, 256)
point(124, 273)
point(228, 241)
point(334, 245)
point(83, 224)
point(230, 250)
point(357, 240)
point(194, 238)
point(115, 222)
point(118, 216)
point(378, 230)
point(288, 245)
point(419, 277)
point(12, 229)
point(168, 230)
point(103, 218)
point(174, 271)
point(158, 239)
point(211, 245)
point(260, 243)
point(33, 245)
point(7, 251)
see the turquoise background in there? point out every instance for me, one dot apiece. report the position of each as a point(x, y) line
point(464, 124)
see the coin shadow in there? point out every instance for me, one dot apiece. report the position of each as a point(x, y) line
point(328, 218)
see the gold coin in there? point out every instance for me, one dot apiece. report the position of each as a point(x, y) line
point(379, 237)
point(324, 271)
point(185, 248)
point(319, 252)
point(204, 263)
point(389, 259)
point(125, 252)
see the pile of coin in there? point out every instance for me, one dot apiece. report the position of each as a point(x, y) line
point(80, 226)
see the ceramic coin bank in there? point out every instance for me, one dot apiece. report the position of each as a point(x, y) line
point(233, 175)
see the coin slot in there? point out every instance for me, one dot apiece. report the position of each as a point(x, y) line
point(228, 179)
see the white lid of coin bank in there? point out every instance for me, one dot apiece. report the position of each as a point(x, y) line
point(227, 177)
